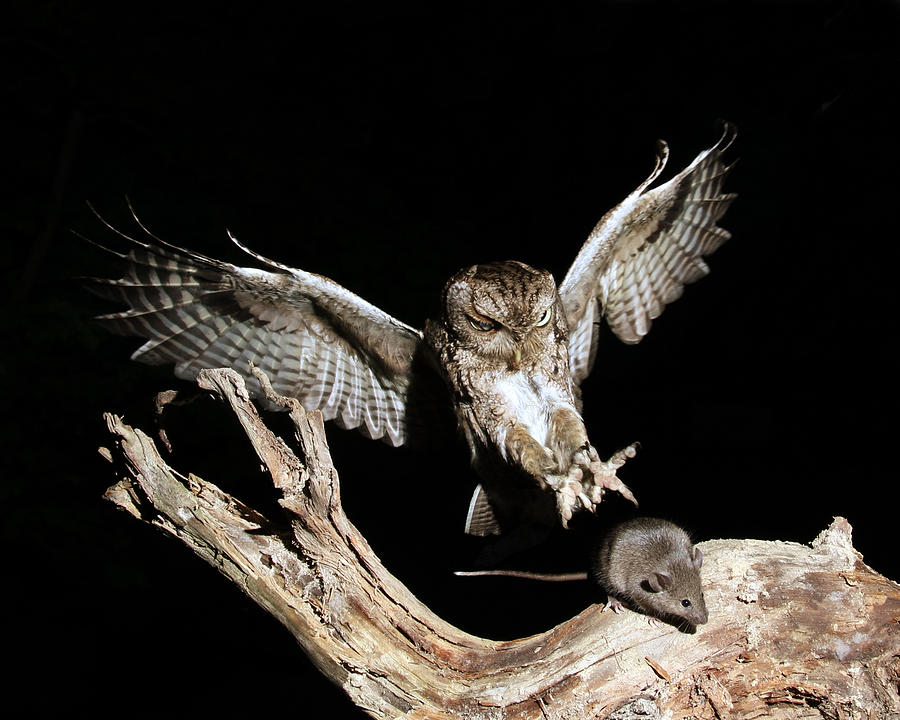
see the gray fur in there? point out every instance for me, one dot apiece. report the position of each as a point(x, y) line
point(646, 564)
point(651, 566)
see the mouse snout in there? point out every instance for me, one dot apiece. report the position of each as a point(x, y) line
point(696, 613)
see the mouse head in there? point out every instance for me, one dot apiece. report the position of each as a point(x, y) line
point(674, 590)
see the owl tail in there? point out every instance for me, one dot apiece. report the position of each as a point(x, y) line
point(481, 520)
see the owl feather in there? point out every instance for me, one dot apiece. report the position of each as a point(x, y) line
point(643, 252)
point(521, 367)
point(315, 340)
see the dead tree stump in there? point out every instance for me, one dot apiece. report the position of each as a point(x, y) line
point(795, 631)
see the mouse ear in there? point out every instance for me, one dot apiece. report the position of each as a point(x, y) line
point(697, 558)
point(659, 581)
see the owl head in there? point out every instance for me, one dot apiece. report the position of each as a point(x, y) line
point(505, 311)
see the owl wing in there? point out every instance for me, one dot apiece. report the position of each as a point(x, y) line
point(644, 251)
point(315, 340)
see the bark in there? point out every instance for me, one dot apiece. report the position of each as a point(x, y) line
point(795, 631)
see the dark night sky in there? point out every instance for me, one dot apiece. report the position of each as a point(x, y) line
point(385, 151)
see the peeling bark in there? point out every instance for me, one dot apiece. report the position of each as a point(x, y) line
point(795, 631)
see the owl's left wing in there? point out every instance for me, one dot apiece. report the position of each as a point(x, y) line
point(644, 251)
point(315, 340)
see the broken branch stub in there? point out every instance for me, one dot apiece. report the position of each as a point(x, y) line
point(795, 631)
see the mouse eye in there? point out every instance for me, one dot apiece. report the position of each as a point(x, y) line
point(685, 603)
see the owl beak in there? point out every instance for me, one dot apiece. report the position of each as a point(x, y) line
point(517, 358)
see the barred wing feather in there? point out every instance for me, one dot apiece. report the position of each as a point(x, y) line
point(315, 340)
point(643, 252)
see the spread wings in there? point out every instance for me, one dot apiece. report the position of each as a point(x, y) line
point(315, 340)
point(364, 369)
point(644, 251)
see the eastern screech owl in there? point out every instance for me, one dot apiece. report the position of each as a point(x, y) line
point(502, 342)
point(508, 353)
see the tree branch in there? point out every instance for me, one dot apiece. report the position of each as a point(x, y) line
point(795, 631)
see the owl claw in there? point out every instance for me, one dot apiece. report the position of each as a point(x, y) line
point(619, 457)
point(586, 501)
point(564, 506)
point(569, 492)
point(603, 474)
point(587, 479)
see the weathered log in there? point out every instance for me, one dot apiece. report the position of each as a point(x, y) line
point(795, 631)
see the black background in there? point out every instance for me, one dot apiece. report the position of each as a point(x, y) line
point(386, 149)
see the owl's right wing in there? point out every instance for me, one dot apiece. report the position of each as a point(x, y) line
point(644, 251)
point(315, 340)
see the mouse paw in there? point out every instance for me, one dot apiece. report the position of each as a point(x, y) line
point(613, 604)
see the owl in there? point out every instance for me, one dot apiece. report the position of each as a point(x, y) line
point(504, 359)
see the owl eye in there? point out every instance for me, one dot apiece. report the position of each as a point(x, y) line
point(482, 325)
point(545, 318)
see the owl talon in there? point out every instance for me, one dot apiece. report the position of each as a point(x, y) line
point(586, 501)
point(569, 492)
point(603, 474)
point(619, 457)
point(563, 504)
point(604, 482)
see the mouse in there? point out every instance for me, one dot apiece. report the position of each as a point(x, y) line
point(645, 564)
point(651, 565)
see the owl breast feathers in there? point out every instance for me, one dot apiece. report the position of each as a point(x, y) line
point(506, 356)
